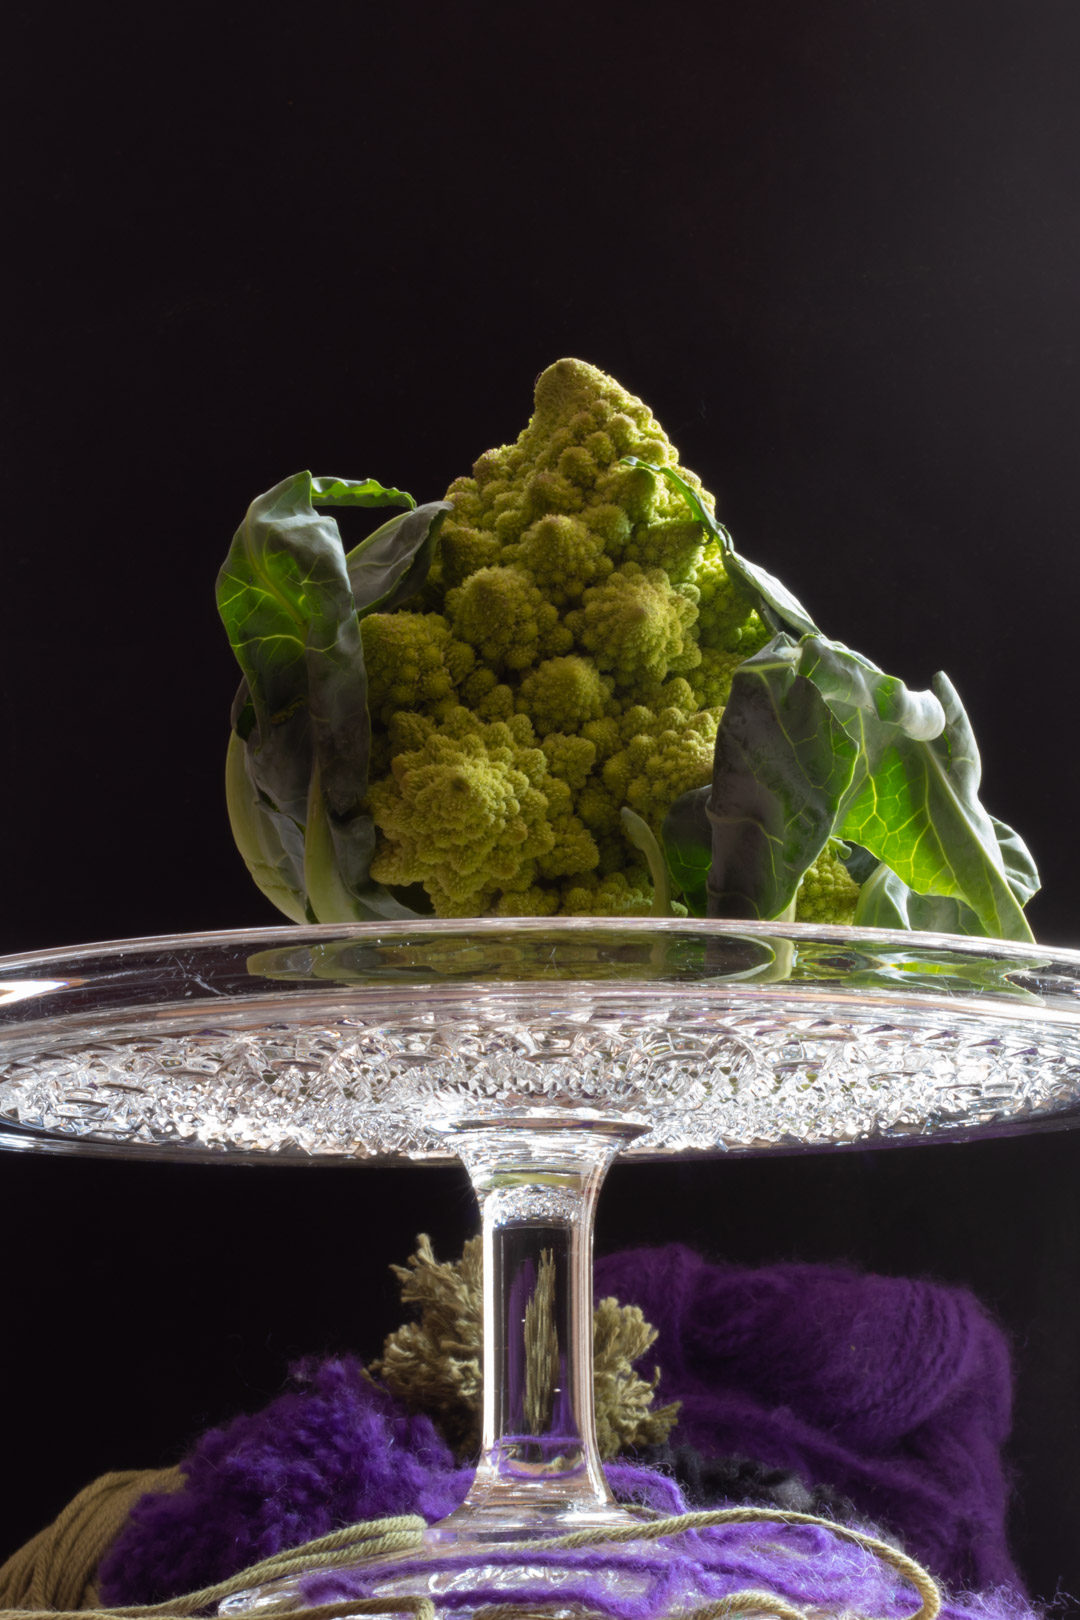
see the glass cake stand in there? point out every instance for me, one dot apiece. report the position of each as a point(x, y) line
point(533, 1050)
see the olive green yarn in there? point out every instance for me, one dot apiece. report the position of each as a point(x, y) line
point(434, 1364)
point(57, 1568)
point(381, 1538)
point(625, 1416)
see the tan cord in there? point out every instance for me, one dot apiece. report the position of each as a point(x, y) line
point(58, 1567)
point(725, 1608)
point(423, 1608)
point(27, 1587)
point(652, 1529)
point(738, 1603)
point(377, 1538)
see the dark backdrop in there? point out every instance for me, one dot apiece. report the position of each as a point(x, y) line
point(836, 248)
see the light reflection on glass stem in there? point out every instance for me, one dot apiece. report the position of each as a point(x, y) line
point(537, 1181)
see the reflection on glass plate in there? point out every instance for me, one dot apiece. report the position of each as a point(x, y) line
point(323, 1043)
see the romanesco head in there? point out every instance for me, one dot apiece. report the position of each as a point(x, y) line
point(578, 648)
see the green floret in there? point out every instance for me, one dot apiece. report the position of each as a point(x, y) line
point(467, 815)
point(475, 815)
point(570, 758)
point(564, 556)
point(637, 625)
point(562, 693)
point(412, 662)
point(619, 894)
point(574, 850)
point(723, 615)
point(502, 614)
point(464, 550)
point(828, 893)
point(711, 679)
point(665, 755)
point(675, 545)
point(487, 697)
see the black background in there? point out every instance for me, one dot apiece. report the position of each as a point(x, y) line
point(836, 249)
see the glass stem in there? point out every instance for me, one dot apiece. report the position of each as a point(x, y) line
point(537, 1182)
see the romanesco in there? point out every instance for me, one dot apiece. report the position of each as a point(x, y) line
point(562, 690)
point(828, 892)
point(577, 648)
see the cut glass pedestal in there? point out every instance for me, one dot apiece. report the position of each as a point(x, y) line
point(534, 1050)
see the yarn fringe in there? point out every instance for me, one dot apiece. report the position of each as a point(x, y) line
point(433, 1363)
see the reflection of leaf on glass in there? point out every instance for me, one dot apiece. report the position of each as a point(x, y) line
point(915, 967)
point(598, 954)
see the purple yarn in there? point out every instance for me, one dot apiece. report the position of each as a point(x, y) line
point(806, 1564)
point(895, 1392)
point(335, 1451)
point(645, 1486)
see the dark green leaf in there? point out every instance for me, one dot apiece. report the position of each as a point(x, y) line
point(285, 598)
point(782, 766)
point(392, 564)
point(860, 863)
point(873, 707)
point(917, 808)
point(760, 589)
point(910, 796)
point(1021, 873)
point(687, 841)
point(272, 846)
point(885, 901)
point(769, 596)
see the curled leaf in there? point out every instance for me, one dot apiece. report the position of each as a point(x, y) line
point(816, 742)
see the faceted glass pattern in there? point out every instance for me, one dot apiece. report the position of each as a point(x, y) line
point(368, 1042)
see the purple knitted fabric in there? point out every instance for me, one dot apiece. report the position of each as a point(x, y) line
point(335, 1451)
point(343, 1450)
point(895, 1392)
